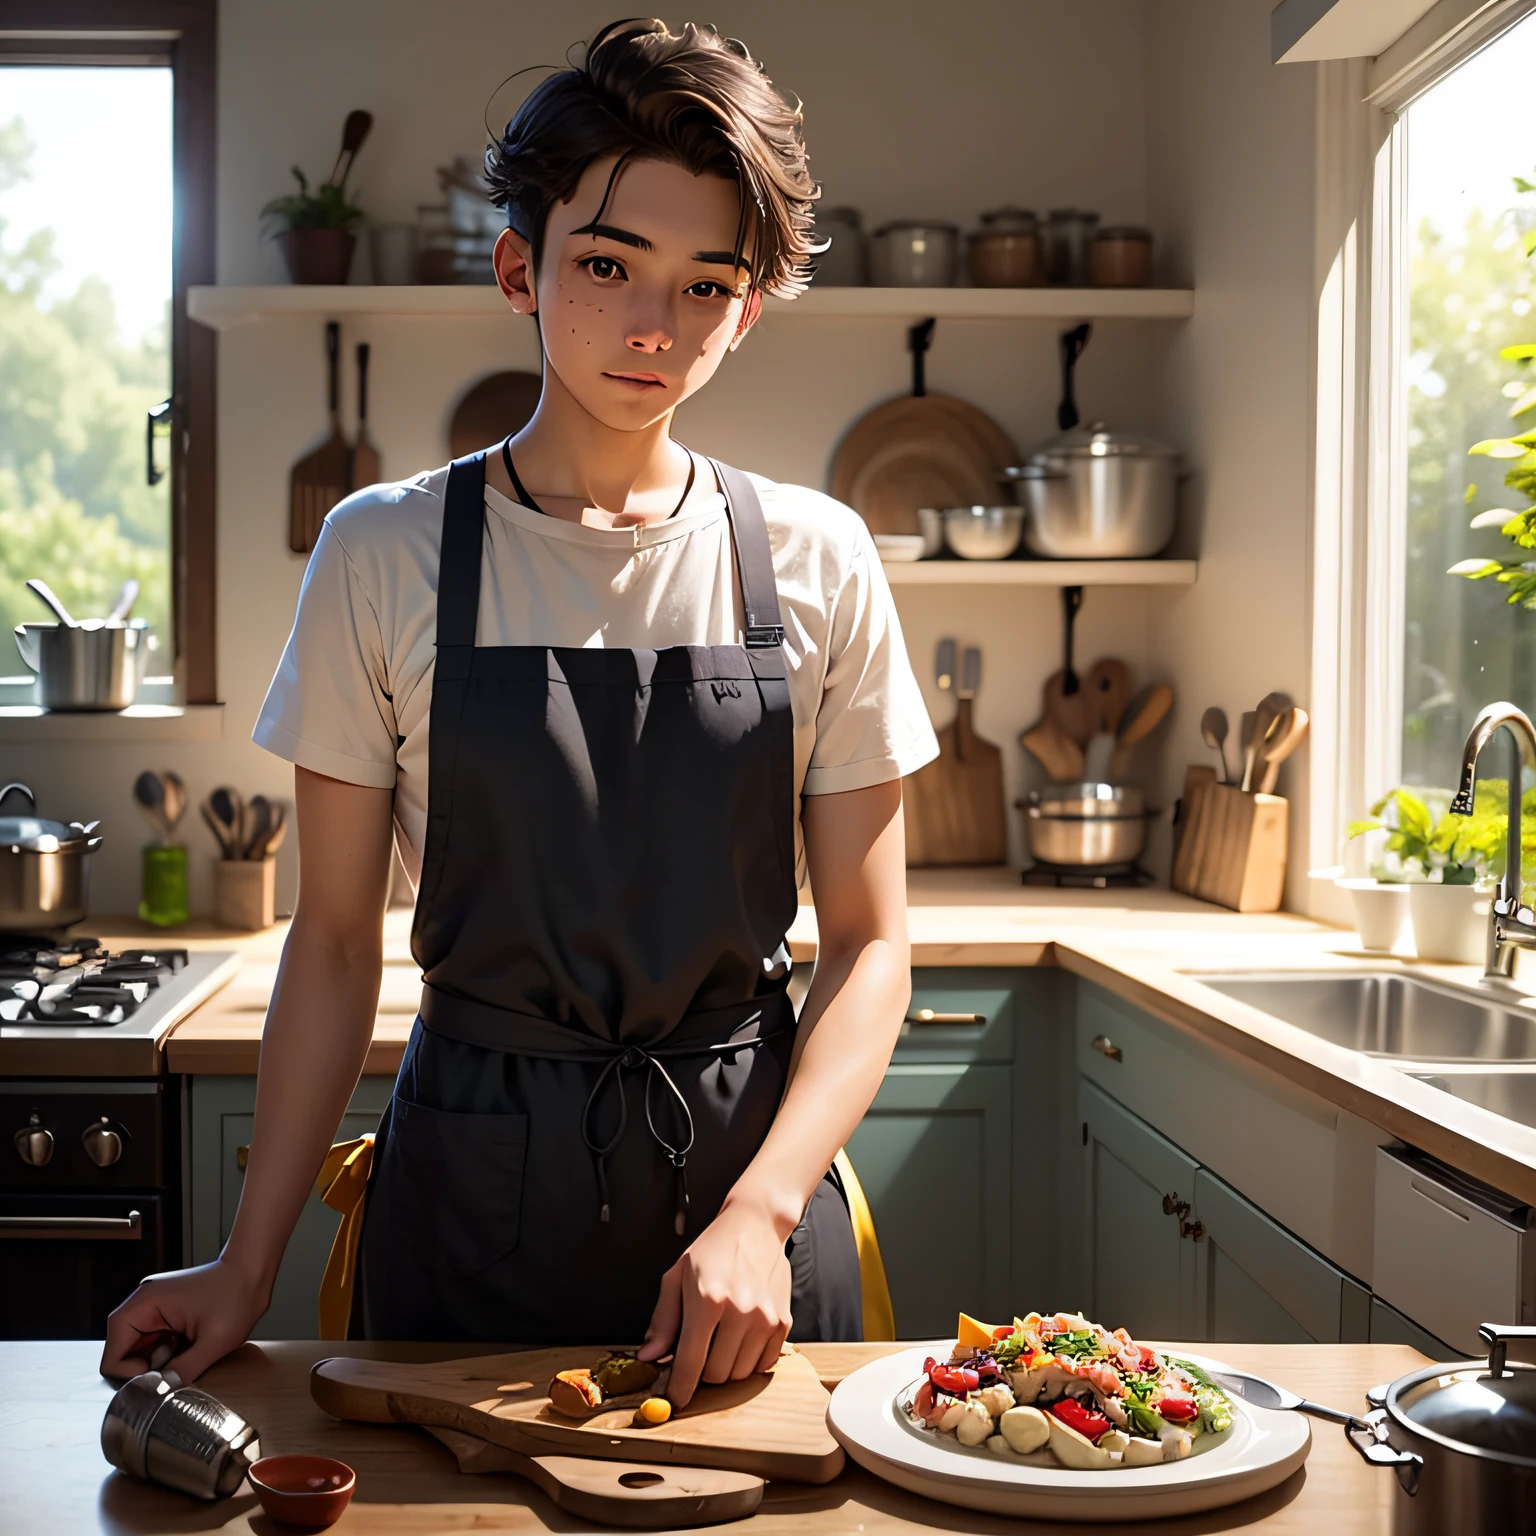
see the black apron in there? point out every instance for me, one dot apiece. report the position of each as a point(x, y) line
point(604, 1033)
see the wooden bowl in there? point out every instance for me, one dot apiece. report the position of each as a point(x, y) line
point(310, 1491)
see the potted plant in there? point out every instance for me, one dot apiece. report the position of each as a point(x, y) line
point(316, 230)
point(1436, 859)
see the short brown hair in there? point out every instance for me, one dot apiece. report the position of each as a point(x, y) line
point(691, 97)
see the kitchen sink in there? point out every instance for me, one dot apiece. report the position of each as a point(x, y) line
point(1511, 1094)
point(1392, 1015)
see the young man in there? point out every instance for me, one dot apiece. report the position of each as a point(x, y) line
point(611, 697)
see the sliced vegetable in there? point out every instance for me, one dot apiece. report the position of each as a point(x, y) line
point(1178, 1410)
point(1088, 1422)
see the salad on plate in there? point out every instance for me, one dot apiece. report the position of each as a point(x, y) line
point(1064, 1388)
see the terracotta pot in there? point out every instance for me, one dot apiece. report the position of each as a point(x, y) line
point(318, 255)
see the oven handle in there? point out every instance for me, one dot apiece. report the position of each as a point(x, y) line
point(129, 1228)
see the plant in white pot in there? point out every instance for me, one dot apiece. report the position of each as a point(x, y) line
point(1443, 863)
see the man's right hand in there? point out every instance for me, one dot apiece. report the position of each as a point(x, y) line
point(207, 1311)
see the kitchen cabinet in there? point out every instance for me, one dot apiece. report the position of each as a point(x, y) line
point(222, 1113)
point(1140, 1271)
point(1389, 1326)
point(933, 1154)
point(1173, 1251)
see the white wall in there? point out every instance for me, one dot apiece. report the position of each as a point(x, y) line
point(1165, 112)
point(1230, 150)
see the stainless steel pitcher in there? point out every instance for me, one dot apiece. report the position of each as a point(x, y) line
point(181, 1437)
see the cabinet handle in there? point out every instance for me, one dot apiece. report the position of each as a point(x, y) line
point(1173, 1206)
point(1106, 1047)
point(66, 1228)
point(1194, 1230)
point(242, 1156)
point(928, 1016)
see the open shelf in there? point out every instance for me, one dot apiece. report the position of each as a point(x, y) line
point(222, 308)
point(1040, 573)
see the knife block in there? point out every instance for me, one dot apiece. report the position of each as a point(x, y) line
point(245, 893)
point(1233, 848)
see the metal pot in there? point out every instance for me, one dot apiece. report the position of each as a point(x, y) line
point(914, 253)
point(1085, 824)
point(1092, 494)
point(92, 666)
point(1462, 1441)
point(45, 870)
point(183, 1437)
point(845, 262)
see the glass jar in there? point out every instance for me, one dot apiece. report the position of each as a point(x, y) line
point(163, 899)
point(1068, 234)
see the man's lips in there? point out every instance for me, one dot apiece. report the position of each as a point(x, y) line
point(638, 381)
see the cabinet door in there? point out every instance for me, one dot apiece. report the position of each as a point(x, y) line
point(933, 1157)
point(1255, 1282)
point(1140, 1271)
point(1389, 1326)
point(222, 1120)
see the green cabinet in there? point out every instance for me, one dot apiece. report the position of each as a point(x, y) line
point(1389, 1326)
point(1140, 1271)
point(933, 1154)
point(222, 1113)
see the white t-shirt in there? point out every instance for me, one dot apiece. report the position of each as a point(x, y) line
point(352, 693)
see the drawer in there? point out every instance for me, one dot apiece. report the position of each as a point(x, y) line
point(976, 1015)
point(1449, 1253)
point(1271, 1141)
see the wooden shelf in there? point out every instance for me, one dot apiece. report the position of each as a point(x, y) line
point(1040, 573)
point(222, 309)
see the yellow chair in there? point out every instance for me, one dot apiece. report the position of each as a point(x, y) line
point(343, 1183)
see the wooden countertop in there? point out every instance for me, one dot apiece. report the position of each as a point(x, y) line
point(55, 1478)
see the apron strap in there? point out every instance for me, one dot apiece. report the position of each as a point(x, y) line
point(754, 559)
point(458, 573)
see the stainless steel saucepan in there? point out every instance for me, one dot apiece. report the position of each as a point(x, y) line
point(45, 869)
point(1082, 825)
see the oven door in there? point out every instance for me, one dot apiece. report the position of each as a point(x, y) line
point(67, 1260)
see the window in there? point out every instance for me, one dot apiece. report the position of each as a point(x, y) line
point(85, 299)
point(107, 145)
point(1471, 292)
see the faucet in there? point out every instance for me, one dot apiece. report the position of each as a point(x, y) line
point(1511, 925)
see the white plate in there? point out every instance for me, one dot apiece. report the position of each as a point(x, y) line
point(1261, 1449)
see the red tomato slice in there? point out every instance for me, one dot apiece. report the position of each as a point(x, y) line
point(1088, 1422)
point(1178, 1410)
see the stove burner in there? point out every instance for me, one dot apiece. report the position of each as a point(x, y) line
point(79, 981)
point(1096, 877)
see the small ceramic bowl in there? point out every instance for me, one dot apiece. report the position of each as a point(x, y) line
point(900, 547)
point(983, 533)
point(310, 1491)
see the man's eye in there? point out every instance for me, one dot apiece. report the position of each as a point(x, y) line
point(604, 268)
point(709, 290)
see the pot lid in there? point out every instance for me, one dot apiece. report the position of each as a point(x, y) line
point(1476, 1409)
point(37, 834)
point(1486, 1408)
point(1010, 221)
point(1096, 441)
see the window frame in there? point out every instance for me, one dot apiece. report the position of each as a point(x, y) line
point(1359, 521)
point(185, 33)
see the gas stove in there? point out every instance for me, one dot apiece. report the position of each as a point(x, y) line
point(76, 988)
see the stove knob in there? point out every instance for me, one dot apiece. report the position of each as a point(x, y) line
point(33, 1144)
point(103, 1145)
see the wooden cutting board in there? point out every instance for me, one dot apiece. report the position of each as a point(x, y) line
point(771, 1425)
point(953, 806)
point(622, 1493)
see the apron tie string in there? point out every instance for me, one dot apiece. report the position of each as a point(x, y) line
point(630, 1059)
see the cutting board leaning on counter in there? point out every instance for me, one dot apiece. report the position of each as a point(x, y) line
point(613, 698)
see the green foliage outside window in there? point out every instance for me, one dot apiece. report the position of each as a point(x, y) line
point(74, 506)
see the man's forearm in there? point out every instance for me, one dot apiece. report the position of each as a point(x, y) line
point(848, 1028)
point(313, 1048)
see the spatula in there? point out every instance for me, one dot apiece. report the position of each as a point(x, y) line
point(1142, 716)
point(320, 479)
point(365, 457)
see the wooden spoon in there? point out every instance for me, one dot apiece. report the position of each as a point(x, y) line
point(228, 809)
point(1249, 742)
point(1285, 736)
point(1271, 707)
point(175, 799)
point(149, 792)
point(1055, 751)
point(1141, 717)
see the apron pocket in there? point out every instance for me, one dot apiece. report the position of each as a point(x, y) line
point(455, 1183)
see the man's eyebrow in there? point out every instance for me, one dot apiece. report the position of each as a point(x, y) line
point(721, 259)
point(611, 232)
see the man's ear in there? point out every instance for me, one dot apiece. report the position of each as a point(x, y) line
point(749, 313)
point(513, 261)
